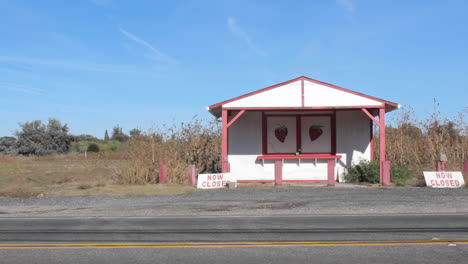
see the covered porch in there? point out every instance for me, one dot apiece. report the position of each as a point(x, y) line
point(302, 130)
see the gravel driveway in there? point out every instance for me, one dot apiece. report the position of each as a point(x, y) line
point(311, 201)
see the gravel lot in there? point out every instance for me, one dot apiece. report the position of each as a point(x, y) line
point(310, 201)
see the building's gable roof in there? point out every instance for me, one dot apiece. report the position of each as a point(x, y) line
point(302, 93)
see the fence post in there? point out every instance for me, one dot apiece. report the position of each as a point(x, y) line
point(441, 159)
point(163, 173)
point(386, 172)
point(278, 172)
point(331, 172)
point(191, 175)
point(440, 166)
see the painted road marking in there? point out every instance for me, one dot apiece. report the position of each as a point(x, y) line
point(233, 244)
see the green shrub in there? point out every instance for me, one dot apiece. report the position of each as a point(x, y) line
point(369, 172)
point(93, 147)
point(112, 145)
point(80, 146)
point(363, 172)
point(400, 175)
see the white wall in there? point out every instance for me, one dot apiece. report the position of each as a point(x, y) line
point(245, 144)
point(315, 95)
point(319, 95)
point(290, 143)
point(321, 144)
point(352, 137)
point(288, 95)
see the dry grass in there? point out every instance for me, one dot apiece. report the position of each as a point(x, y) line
point(415, 144)
point(69, 175)
point(25, 190)
point(178, 146)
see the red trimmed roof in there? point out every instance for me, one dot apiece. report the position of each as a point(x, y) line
point(386, 103)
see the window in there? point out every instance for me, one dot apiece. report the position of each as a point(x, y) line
point(303, 133)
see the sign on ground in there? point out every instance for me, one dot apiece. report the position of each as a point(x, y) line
point(213, 180)
point(444, 179)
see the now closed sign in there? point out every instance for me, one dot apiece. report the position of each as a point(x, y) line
point(444, 179)
point(213, 180)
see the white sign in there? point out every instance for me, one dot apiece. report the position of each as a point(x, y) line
point(444, 179)
point(213, 180)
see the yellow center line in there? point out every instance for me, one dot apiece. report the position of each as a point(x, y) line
point(232, 244)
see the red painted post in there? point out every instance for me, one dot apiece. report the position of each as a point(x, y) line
point(163, 173)
point(382, 141)
point(278, 172)
point(386, 172)
point(191, 175)
point(465, 167)
point(440, 166)
point(224, 140)
point(331, 172)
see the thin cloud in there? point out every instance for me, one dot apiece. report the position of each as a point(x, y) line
point(77, 65)
point(348, 5)
point(22, 88)
point(238, 32)
point(157, 55)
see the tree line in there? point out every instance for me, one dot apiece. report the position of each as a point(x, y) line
point(37, 138)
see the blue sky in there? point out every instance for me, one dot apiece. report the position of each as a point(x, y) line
point(94, 64)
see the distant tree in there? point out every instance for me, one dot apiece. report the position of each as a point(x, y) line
point(106, 136)
point(31, 138)
point(35, 138)
point(8, 146)
point(135, 133)
point(58, 140)
point(84, 137)
point(118, 134)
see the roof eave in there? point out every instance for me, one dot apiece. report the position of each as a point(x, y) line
point(389, 107)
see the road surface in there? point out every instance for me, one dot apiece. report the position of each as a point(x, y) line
point(417, 238)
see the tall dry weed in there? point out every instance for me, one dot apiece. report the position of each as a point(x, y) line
point(416, 143)
point(196, 142)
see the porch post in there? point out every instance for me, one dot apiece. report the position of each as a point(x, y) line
point(382, 148)
point(386, 172)
point(224, 141)
point(278, 172)
point(331, 172)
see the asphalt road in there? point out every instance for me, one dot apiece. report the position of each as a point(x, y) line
point(318, 225)
point(235, 228)
point(267, 239)
point(426, 254)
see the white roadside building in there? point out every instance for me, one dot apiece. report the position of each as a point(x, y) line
point(302, 130)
